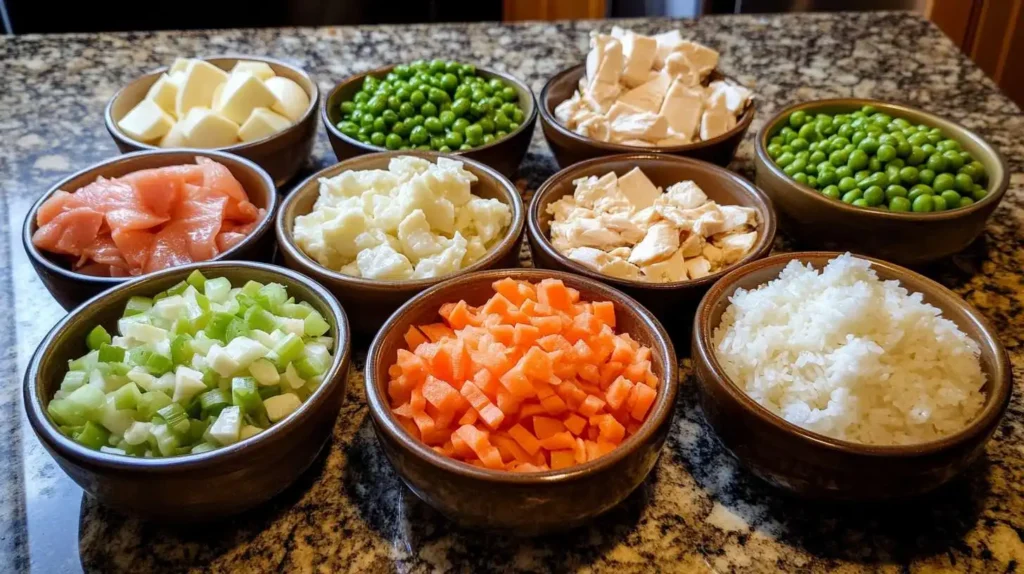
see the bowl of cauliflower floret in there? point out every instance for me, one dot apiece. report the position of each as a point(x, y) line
point(379, 228)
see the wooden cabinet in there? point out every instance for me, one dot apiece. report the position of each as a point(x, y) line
point(514, 10)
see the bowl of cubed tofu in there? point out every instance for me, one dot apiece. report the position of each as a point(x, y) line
point(661, 228)
point(377, 229)
point(635, 93)
point(258, 108)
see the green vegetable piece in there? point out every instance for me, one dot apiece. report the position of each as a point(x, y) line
point(259, 318)
point(245, 395)
point(874, 195)
point(978, 193)
point(832, 192)
point(924, 204)
point(159, 364)
point(851, 196)
point(72, 380)
point(289, 349)
point(89, 398)
point(939, 203)
point(67, 413)
point(861, 202)
point(271, 391)
point(895, 191)
point(92, 435)
point(236, 328)
point(899, 204)
point(217, 326)
point(213, 401)
point(176, 419)
point(271, 296)
point(943, 182)
point(196, 279)
point(965, 201)
point(127, 397)
point(217, 289)
point(97, 338)
point(314, 325)
point(951, 197)
point(858, 159)
point(181, 350)
point(110, 353)
point(137, 305)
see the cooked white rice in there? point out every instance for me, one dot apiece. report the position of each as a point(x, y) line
point(847, 355)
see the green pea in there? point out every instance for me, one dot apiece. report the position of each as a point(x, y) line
point(361, 97)
point(364, 132)
point(785, 159)
point(857, 137)
point(363, 138)
point(433, 125)
point(844, 171)
point(509, 94)
point(877, 179)
point(851, 196)
point(847, 184)
point(798, 165)
point(965, 201)
point(517, 117)
point(874, 164)
point(402, 128)
point(800, 177)
point(460, 107)
point(918, 139)
point(500, 133)
point(406, 110)
point(893, 173)
point(436, 65)
point(861, 202)
point(951, 197)
point(948, 145)
point(962, 182)
point(474, 134)
point(978, 193)
point(868, 145)
point(838, 157)
point(904, 149)
point(799, 144)
point(923, 204)
point(501, 122)
point(979, 169)
point(436, 142)
point(438, 96)
point(487, 125)
point(929, 149)
point(393, 141)
point(418, 135)
point(885, 152)
point(897, 162)
point(348, 128)
point(417, 98)
point(939, 203)
point(817, 157)
point(926, 176)
point(348, 107)
point(453, 139)
point(414, 121)
point(447, 118)
point(428, 109)
point(831, 192)
point(445, 149)
point(379, 125)
point(806, 132)
point(943, 182)
point(827, 178)
point(895, 191)
point(797, 118)
point(899, 204)
point(953, 160)
point(919, 190)
point(874, 195)
point(845, 130)
point(969, 171)
point(449, 82)
point(917, 156)
point(378, 139)
point(858, 159)
point(812, 181)
point(909, 175)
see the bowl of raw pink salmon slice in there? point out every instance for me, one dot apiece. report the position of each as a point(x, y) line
point(144, 212)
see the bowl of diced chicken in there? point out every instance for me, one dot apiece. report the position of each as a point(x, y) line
point(635, 93)
point(661, 228)
point(379, 228)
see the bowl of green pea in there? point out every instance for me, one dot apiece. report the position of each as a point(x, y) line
point(881, 179)
point(440, 105)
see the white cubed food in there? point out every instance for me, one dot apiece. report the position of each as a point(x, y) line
point(142, 332)
point(163, 92)
point(221, 362)
point(264, 372)
point(225, 430)
point(261, 70)
point(280, 406)
point(196, 90)
point(205, 128)
point(242, 94)
point(137, 433)
point(147, 121)
point(187, 384)
point(262, 123)
point(292, 100)
point(244, 351)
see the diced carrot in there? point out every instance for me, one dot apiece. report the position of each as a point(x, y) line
point(491, 415)
point(423, 422)
point(509, 448)
point(544, 427)
point(605, 312)
point(416, 400)
point(486, 382)
point(504, 334)
point(581, 351)
point(574, 295)
point(553, 404)
point(515, 291)
point(562, 459)
point(571, 394)
point(590, 389)
point(496, 363)
point(525, 438)
point(517, 384)
point(410, 427)
point(618, 392)
point(585, 324)
point(436, 331)
point(556, 342)
point(554, 293)
point(461, 363)
point(525, 334)
point(507, 403)
point(593, 432)
point(411, 365)
point(536, 364)
point(446, 449)
point(637, 372)
point(446, 310)
point(442, 418)
point(651, 380)
point(440, 394)
point(460, 447)
point(531, 409)
point(404, 410)
point(547, 325)
point(414, 338)
point(394, 370)
point(558, 441)
point(439, 359)
point(592, 449)
point(604, 447)
point(580, 451)
point(575, 423)
point(603, 344)
point(611, 430)
point(622, 352)
point(400, 388)
point(642, 354)
point(478, 441)
point(644, 399)
point(609, 372)
point(469, 417)
point(632, 427)
point(527, 467)
point(591, 406)
point(529, 308)
point(589, 372)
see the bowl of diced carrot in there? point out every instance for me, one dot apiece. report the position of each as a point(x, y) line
point(525, 401)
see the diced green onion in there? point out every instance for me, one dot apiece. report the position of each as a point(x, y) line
point(137, 305)
point(289, 349)
point(315, 325)
point(92, 435)
point(218, 325)
point(110, 353)
point(196, 279)
point(175, 418)
point(150, 403)
point(213, 401)
point(259, 318)
point(159, 364)
point(271, 296)
point(127, 397)
point(97, 338)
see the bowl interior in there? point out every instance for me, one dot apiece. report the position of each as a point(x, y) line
point(563, 84)
point(720, 185)
point(347, 89)
point(133, 93)
point(475, 289)
point(256, 183)
point(994, 361)
point(490, 185)
point(968, 140)
point(66, 341)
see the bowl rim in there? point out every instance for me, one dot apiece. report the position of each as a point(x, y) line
point(38, 257)
point(765, 239)
point(996, 188)
point(314, 101)
point(333, 130)
point(663, 408)
point(67, 448)
point(549, 119)
point(992, 410)
point(509, 240)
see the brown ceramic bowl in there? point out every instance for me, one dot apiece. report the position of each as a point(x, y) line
point(208, 485)
point(814, 465)
point(282, 154)
point(570, 147)
point(372, 300)
point(672, 303)
point(904, 238)
point(520, 503)
point(70, 288)
point(504, 155)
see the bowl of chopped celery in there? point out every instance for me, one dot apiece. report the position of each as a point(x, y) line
point(215, 385)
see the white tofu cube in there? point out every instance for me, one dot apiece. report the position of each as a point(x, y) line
point(649, 95)
point(735, 246)
point(701, 58)
point(661, 241)
point(715, 122)
point(225, 430)
point(242, 94)
point(197, 87)
point(589, 257)
point(164, 93)
point(628, 125)
point(204, 128)
point(668, 270)
point(179, 65)
point(604, 61)
point(187, 384)
point(147, 121)
point(682, 109)
point(292, 100)
point(265, 372)
point(666, 42)
point(639, 52)
point(280, 406)
point(728, 96)
point(261, 70)
point(221, 362)
point(262, 123)
point(698, 267)
point(638, 189)
point(622, 269)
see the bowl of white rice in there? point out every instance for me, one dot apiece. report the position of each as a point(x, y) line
point(847, 377)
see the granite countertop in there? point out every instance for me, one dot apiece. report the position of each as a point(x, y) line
point(698, 512)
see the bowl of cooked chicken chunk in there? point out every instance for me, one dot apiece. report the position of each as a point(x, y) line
point(660, 93)
point(661, 228)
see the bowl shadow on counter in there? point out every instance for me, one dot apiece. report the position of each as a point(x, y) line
point(865, 533)
point(391, 510)
point(175, 548)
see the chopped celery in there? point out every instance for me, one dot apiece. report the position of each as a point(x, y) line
point(134, 449)
point(289, 349)
point(65, 412)
point(137, 305)
point(150, 403)
point(259, 318)
point(315, 325)
point(181, 350)
point(183, 327)
point(281, 406)
point(271, 296)
point(295, 311)
point(218, 324)
point(236, 328)
point(176, 289)
point(271, 391)
point(175, 418)
point(92, 435)
point(138, 356)
point(97, 338)
point(203, 447)
point(244, 394)
point(292, 377)
point(196, 279)
point(73, 380)
point(307, 368)
point(163, 440)
point(111, 354)
point(217, 289)
point(85, 363)
point(127, 397)
point(245, 302)
point(159, 364)
point(251, 288)
point(227, 426)
point(213, 401)
point(88, 397)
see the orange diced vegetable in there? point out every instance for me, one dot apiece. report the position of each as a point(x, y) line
point(617, 392)
point(562, 459)
point(554, 293)
point(575, 423)
point(469, 417)
point(644, 399)
point(553, 404)
point(525, 438)
point(532, 409)
point(605, 312)
point(414, 338)
point(525, 334)
point(547, 325)
point(436, 331)
point(558, 441)
point(591, 406)
point(580, 451)
point(544, 427)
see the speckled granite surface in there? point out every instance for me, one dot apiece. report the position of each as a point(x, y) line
point(697, 512)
